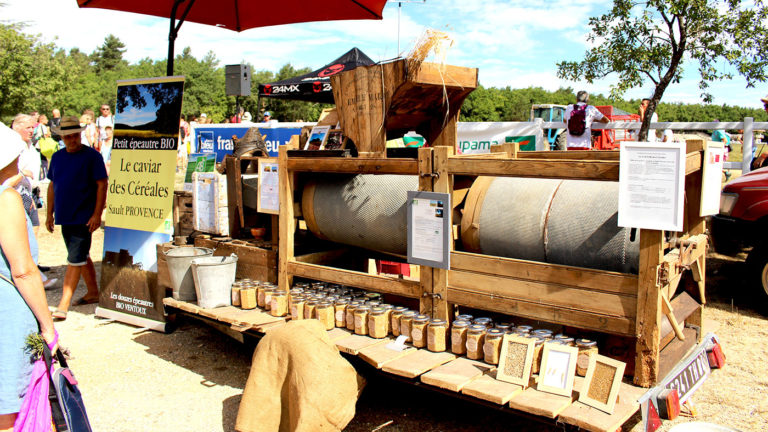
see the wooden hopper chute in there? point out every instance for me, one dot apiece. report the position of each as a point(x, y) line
point(383, 100)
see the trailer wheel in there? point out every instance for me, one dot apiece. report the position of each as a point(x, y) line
point(560, 142)
point(758, 271)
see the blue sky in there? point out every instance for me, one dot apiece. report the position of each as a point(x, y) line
point(133, 116)
point(513, 43)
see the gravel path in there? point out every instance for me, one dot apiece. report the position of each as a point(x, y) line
point(192, 379)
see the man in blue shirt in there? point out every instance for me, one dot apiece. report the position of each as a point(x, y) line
point(76, 197)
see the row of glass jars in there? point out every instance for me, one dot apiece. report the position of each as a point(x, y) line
point(365, 314)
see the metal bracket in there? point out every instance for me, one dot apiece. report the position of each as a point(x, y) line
point(434, 296)
point(433, 175)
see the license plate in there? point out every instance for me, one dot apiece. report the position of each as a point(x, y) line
point(691, 377)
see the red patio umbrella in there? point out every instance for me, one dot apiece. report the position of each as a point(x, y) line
point(240, 15)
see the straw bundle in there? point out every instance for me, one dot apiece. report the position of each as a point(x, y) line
point(431, 41)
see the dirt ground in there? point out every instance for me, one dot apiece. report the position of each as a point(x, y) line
point(192, 379)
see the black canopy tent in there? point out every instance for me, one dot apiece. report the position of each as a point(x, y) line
point(315, 86)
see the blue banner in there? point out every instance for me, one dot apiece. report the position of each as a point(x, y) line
point(218, 138)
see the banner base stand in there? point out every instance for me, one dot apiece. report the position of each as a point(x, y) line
point(130, 319)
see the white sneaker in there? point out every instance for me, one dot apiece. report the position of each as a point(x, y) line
point(48, 285)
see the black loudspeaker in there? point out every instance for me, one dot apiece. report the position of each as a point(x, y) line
point(238, 80)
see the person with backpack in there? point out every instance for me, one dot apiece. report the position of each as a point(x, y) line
point(578, 119)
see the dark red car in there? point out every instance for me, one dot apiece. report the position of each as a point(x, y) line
point(741, 224)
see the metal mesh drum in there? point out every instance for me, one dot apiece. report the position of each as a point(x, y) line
point(368, 211)
point(570, 222)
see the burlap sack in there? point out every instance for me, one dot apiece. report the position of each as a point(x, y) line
point(298, 382)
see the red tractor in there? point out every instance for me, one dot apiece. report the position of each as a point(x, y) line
point(609, 139)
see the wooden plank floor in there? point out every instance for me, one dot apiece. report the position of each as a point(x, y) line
point(446, 371)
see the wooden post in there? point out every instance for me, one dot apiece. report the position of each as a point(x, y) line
point(648, 330)
point(444, 184)
point(234, 196)
point(449, 136)
point(426, 274)
point(696, 225)
point(287, 222)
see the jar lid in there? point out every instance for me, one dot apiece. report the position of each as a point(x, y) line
point(362, 308)
point(341, 301)
point(484, 321)
point(278, 294)
point(372, 296)
point(542, 332)
point(564, 338)
point(461, 323)
point(465, 317)
point(298, 298)
point(477, 328)
point(504, 325)
point(324, 304)
point(399, 309)
point(378, 311)
point(539, 340)
point(409, 313)
point(355, 303)
point(437, 322)
point(524, 328)
point(421, 318)
point(387, 306)
point(237, 284)
point(585, 343)
point(373, 303)
point(494, 333)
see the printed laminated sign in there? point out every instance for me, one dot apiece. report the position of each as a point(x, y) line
point(140, 199)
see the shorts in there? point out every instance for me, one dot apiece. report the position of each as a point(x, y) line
point(78, 241)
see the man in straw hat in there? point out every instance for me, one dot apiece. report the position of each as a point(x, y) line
point(76, 197)
point(764, 100)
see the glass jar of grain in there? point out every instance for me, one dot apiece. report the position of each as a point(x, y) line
point(394, 319)
point(248, 298)
point(587, 349)
point(350, 314)
point(504, 326)
point(377, 323)
point(361, 319)
point(340, 312)
point(419, 330)
point(278, 305)
point(297, 307)
point(309, 308)
point(492, 345)
point(565, 339)
point(260, 295)
point(268, 297)
point(406, 320)
point(475, 341)
point(537, 350)
point(388, 308)
point(459, 337)
point(236, 287)
point(325, 314)
point(437, 332)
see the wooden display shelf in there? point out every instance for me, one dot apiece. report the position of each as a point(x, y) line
point(630, 305)
point(443, 371)
point(183, 215)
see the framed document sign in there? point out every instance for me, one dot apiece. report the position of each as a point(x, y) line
point(269, 192)
point(652, 185)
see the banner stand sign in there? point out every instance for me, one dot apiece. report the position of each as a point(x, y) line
point(140, 199)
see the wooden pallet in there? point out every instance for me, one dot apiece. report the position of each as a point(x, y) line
point(445, 371)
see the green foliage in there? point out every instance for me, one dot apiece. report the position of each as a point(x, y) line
point(40, 76)
point(654, 39)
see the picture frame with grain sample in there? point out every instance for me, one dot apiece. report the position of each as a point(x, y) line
point(558, 369)
point(601, 384)
point(516, 359)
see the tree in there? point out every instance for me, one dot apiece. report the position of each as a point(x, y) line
point(652, 39)
point(109, 55)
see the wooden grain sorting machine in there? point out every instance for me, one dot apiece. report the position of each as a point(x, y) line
point(535, 240)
